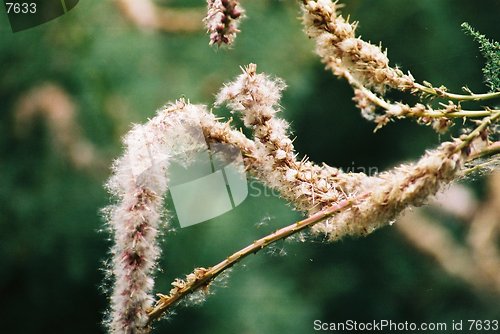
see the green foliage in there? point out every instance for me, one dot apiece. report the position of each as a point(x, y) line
point(491, 51)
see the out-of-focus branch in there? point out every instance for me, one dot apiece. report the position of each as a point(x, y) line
point(477, 261)
point(52, 103)
point(149, 16)
point(484, 233)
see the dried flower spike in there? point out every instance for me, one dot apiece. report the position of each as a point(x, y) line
point(139, 181)
point(222, 20)
point(342, 51)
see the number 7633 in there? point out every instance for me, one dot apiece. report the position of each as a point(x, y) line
point(21, 7)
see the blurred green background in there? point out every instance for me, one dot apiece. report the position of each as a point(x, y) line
point(51, 247)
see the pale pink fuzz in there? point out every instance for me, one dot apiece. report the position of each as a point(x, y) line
point(139, 182)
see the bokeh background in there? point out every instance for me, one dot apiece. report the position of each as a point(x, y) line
point(98, 72)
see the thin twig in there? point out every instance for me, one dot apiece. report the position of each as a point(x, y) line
point(467, 139)
point(210, 274)
point(490, 150)
point(427, 113)
point(457, 114)
point(481, 167)
point(443, 94)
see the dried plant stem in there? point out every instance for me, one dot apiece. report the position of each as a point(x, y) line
point(460, 97)
point(208, 275)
